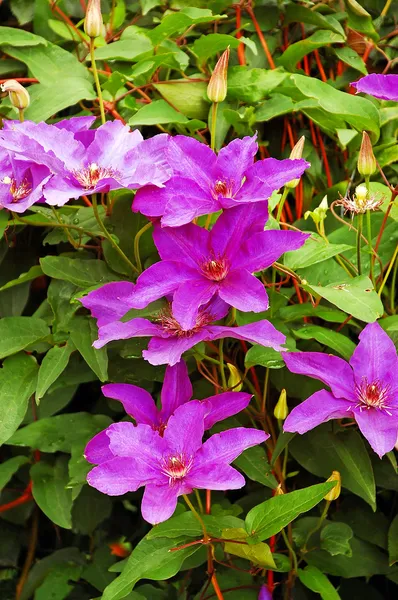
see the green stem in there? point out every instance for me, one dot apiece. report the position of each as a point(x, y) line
point(213, 125)
point(390, 266)
point(282, 203)
point(110, 238)
point(359, 234)
point(137, 245)
point(197, 516)
point(369, 235)
point(222, 372)
point(16, 217)
point(318, 526)
point(21, 115)
point(291, 551)
point(199, 500)
point(393, 284)
point(97, 81)
point(386, 8)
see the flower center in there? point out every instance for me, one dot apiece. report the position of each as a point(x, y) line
point(373, 395)
point(88, 177)
point(176, 467)
point(17, 191)
point(215, 269)
point(173, 328)
point(223, 188)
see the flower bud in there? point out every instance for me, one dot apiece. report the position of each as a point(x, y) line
point(279, 491)
point(217, 88)
point(19, 96)
point(93, 22)
point(366, 159)
point(296, 153)
point(319, 214)
point(234, 379)
point(264, 594)
point(334, 492)
point(281, 410)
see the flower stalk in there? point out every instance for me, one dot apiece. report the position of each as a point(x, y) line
point(97, 81)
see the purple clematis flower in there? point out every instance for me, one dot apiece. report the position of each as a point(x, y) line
point(198, 264)
point(21, 183)
point(264, 594)
point(204, 183)
point(169, 340)
point(85, 161)
point(365, 389)
point(384, 87)
point(176, 391)
point(129, 457)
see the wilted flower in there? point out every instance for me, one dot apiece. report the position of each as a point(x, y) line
point(384, 87)
point(217, 88)
point(366, 159)
point(204, 182)
point(129, 457)
point(361, 201)
point(19, 96)
point(365, 389)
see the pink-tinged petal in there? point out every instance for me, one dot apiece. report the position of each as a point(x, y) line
point(379, 428)
point(216, 308)
point(188, 156)
point(184, 431)
point(60, 189)
point(189, 297)
point(224, 405)
point(150, 201)
point(140, 442)
point(176, 390)
point(188, 244)
point(234, 226)
point(137, 402)
point(214, 476)
point(224, 447)
point(375, 357)
point(115, 477)
point(97, 450)
point(159, 502)
point(384, 87)
point(109, 302)
point(146, 163)
point(186, 202)
point(243, 291)
point(124, 331)
point(318, 408)
point(168, 351)
point(273, 173)
point(75, 124)
point(264, 594)
point(261, 332)
point(160, 279)
point(263, 249)
point(331, 370)
point(235, 159)
point(111, 143)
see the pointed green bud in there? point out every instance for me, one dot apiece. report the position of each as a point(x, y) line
point(319, 214)
point(281, 410)
point(217, 88)
point(366, 159)
point(296, 153)
point(334, 492)
point(93, 22)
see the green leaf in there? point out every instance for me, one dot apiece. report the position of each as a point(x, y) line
point(271, 516)
point(46, 100)
point(186, 525)
point(53, 364)
point(80, 272)
point(57, 585)
point(59, 296)
point(212, 43)
point(89, 510)
point(332, 339)
point(50, 493)
point(252, 85)
point(314, 250)
point(275, 106)
point(16, 333)
point(351, 58)
point(130, 49)
point(33, 273)
point(10, 467)
point(295, 52)
point(157, 112)
point(179, 21)
point(296, 13)
point(83, 333)
point(317, 582)
point(356, 297)
point(259, 554)
point(335, 539)
point(344, 451)
point(20, 38)
point(18, 377)
point(297, 312)
point(266, 357)
point(253, 462)
point(393, 541)
point(96, 573)
point(187, 97)
point(60, 433)
point(3, 222)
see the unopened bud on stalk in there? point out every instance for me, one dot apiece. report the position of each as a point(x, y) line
point(93, 22)
point(279, 491)
point(319, 214)
point(366, 159)
point(281, 410)
point(264, 594)
point(296, 153)
point(217, 88)
point(234, 379)
point(19, 96)
point(334, 492)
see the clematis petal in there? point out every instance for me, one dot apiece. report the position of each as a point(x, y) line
point(379, 428)
point(224, 405)
point(189, 297)
point(137, 402)
point(235, 159)
point(160, 279)
point(168, 351)
point(318, 408)
point(111, 143)
point(263, 249)
point(185, 428)
point(97, 450)
point(124, 331)
point(75, 124)
point(115, 477)
point(140, 442)
point(190, 158)
point(109, 302)
point(146, 163)
point(176, 390)
point(224, 447)
point(384, 87)
point(331, 370)
point(186, 203)
point(243, 291)
point(150, 201)
point(214, 476)
point(159, 502)
point(188, 245)
point(273, 174)
point(260, 332)
point(375, 358)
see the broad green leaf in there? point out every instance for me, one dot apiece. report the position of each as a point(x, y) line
point(59, 296)
point(295, 52)
point(10, 467)
point(53, 364)
point(89, 510)
point(179, 21)
point(212, 43)
point(351, 58)
point(60, 433)
point(16, 333)
point(367, 525)
point(50, 493)
point(360, 20)
point(20, 38)
point(252, 85)
point(317, 582)
point(259, 554)
point(266, 357)
point(356, 297)
point(253, 462)
point(393, 541)
point(275, 106)
point(80, 272)
point(187, 97)
point(157, 112)
point(387, 114)
point(274, 514)
point(297, 312)
point(332, 339)
point(33, 273)
point(57, 584)
point(83, 333)
point(335, 539)
point(10, 66)
point(130, 49)
point(314, 250)
point(47, 100)
point(3, 220)
point(187, 525)
point(387, 156)
point(344, 451)
point(298, 13)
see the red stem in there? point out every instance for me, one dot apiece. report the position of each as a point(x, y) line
point(262, 39)
point(241, 47)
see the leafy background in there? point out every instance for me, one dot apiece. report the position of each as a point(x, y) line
point(289, 75)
